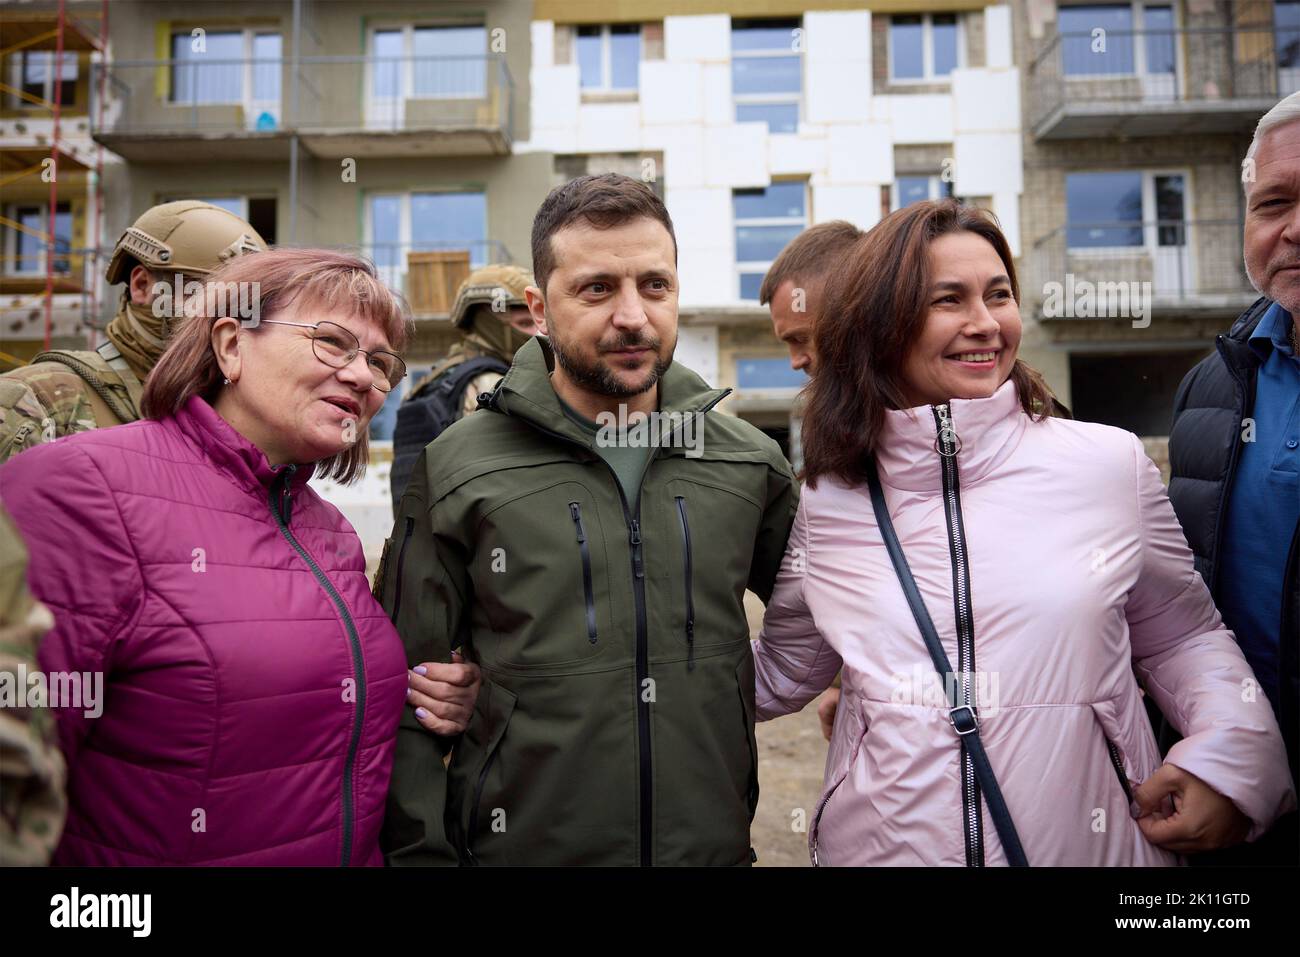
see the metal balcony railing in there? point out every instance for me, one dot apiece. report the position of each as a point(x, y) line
point(334, 94)
point(1176, 263)
point(406, 94)
point(1162, 69)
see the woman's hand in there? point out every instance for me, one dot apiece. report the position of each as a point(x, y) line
point(443, 694)
point(826, 711)
point(1183, 814)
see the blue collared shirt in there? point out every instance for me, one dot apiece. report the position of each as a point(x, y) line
point(1264, 503)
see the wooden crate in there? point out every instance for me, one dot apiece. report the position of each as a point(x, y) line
point(432, 279)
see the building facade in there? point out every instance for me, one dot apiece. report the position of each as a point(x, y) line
point(755, 120)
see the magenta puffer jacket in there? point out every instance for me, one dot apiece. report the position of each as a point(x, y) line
point(1050, 551)
point(252, 685)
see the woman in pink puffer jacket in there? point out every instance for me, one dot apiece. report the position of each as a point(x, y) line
point(1052, 566)
point(252, 685)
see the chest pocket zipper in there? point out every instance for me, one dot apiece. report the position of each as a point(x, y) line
point(689, 580)
point(575, 511)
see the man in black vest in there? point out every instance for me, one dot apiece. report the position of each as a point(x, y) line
point(1234, 452)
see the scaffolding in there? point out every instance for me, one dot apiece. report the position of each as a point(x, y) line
point(56, 33)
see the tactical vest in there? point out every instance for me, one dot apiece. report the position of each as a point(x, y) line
point(91, 368)
point(432, 406)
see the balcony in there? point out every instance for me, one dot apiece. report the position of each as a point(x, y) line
point(406, 106)
point(1193, 268)
point(1160, 82)
point(180, 110)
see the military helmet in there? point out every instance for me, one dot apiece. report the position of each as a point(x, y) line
point(500, 283)
point(187, 236)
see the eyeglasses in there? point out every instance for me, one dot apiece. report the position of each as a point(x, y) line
point(337, 347)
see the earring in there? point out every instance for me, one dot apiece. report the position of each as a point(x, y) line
point(225, 382)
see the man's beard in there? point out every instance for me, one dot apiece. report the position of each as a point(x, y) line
point(599, 378)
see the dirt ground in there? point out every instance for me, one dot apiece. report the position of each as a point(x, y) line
point(791, 756)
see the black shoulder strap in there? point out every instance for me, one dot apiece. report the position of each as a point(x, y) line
point(456, 379)
point(962, 717)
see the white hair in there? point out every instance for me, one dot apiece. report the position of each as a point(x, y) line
point(1287, 110)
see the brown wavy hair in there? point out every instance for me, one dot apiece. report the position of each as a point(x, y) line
point(875, 305)
point(325, 277)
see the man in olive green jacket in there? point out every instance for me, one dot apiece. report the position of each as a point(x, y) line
point(596, 572)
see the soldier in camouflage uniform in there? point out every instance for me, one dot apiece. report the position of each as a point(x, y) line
point(32, 772)
point(492, 317)
point(66, 391)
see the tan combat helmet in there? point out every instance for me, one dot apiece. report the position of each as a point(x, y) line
point(479, 311)
point(504, 284)
point(188, 236)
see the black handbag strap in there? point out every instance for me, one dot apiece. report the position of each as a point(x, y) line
point(963, 717)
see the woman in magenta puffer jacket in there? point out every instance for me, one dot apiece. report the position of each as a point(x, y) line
point(252, 686)
point(1051, 567)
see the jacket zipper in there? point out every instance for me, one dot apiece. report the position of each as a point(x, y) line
point(473, 810)
point(642, 676)
point(817, 821)
point(947, 445)
point(1118, 762)
point(401, 560)
point(690, 579)
point(575, 510)
point(1247, 408)
point(280, 501)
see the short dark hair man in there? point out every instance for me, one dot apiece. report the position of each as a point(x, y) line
point(589, 542)
point(793, 286)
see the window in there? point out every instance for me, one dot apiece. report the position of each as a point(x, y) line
point(257, 211)
point(428, 62)
point(1286, 26)
point(766, 220)
point(35, 69)
point(608, 57)
point(239, 67)
point(1132, 391)
point(399, 223)
point(914, 189)
point(923, 47)
point(25, 247)
point(766, 73)
point(1125, 209)
point(1104, 209)
point(768, 374)
point(1117, 39)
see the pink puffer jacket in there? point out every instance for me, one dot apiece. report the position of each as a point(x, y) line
point(252, 685)
point(1079, 575)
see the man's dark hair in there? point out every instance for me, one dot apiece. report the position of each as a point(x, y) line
point(603, 201)
point(810, 257)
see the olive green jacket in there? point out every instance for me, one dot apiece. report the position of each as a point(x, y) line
point(615, 724)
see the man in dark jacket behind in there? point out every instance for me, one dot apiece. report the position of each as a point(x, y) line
point(588, 539)
point(1234, 453)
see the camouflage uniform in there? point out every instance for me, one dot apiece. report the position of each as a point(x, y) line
point(32, 771)
point(67, 391)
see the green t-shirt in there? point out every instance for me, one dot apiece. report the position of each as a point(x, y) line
point(628, 461)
